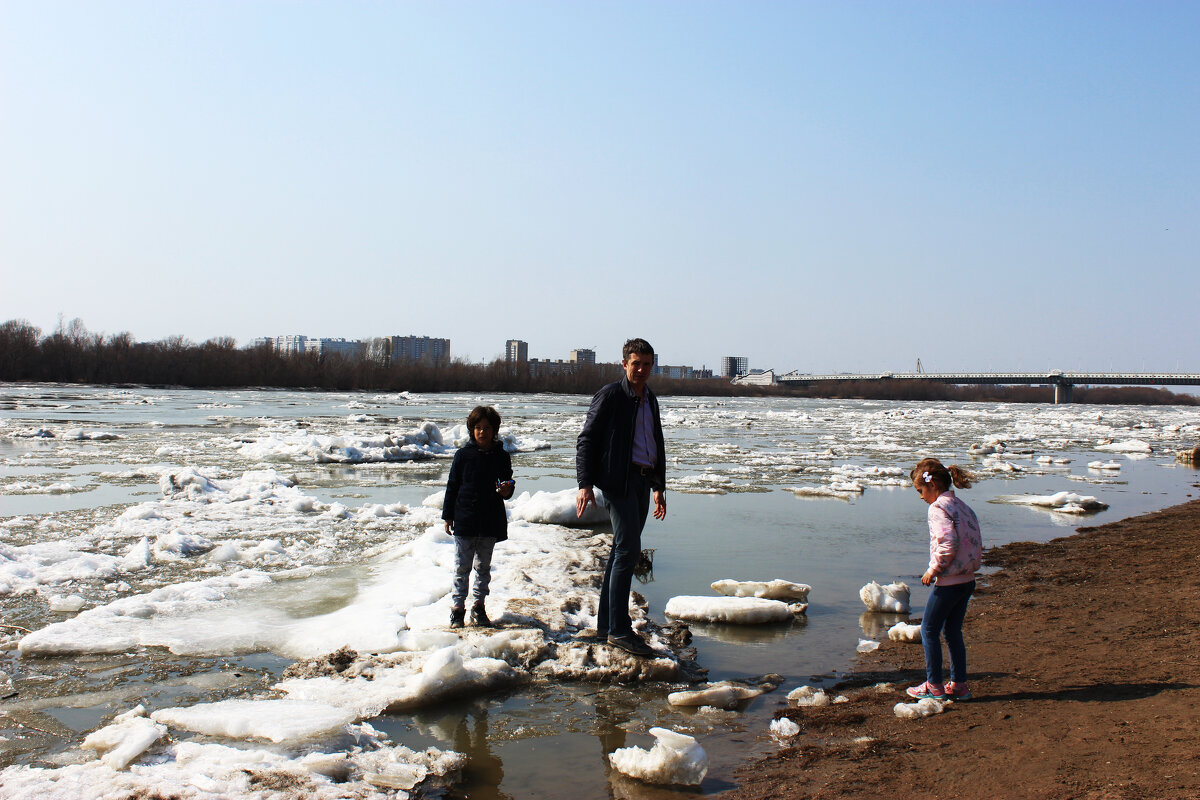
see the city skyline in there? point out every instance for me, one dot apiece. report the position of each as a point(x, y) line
point(825, 186)
point(516, 350)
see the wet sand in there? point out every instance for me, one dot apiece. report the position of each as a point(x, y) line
point(1084, 655)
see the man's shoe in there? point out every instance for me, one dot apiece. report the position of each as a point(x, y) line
point(456, 617)
point(631, 643)
point(927, 691)
point(958, 691)
point(479, 616)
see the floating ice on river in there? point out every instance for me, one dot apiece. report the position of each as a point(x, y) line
point(317, 556)
point(279, 720)
point(1130, 446)
point(1113, 466)
point(1063, 502)
point(372, 770)
point(892, 599)
point(732, 610)
point(776, 589)
point(675, 759)
point(125, 738)
point(726, 694)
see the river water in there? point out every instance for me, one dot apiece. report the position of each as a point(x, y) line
point(811, 491)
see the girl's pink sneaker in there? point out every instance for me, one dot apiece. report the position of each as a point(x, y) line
point(958, 691)
point(927, 691)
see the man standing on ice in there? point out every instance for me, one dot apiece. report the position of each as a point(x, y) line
point(620, 450)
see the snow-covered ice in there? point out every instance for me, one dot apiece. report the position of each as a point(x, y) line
point(1063, 502)
point(771, 590)
point(892, 598)
point(269, 522)
point(919, 709)
point(732, 610)
point(784, 728)
point(675, 759)
point(905, 632)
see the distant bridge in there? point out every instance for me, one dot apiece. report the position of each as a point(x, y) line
point(1063, 382)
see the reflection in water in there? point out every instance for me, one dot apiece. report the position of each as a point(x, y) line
point(749, 634)
point(484, 768)
point(876, 623)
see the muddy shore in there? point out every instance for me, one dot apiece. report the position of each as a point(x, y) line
point(1084, 655)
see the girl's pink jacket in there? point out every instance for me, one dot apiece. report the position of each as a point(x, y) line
point(955, 545)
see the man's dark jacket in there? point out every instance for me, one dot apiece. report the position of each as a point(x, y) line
point(472, 502)
point(604, 450)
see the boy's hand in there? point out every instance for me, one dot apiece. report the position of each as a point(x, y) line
point(449, 526)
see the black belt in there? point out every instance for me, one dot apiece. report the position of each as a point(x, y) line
point(641, 469)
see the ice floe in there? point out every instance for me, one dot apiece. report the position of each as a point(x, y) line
point(1062, 502)
point(675, 759)
point(278, 720)
point(892, 599)
point(1129, 446)
point(725, 694)
point(905, 632)
point(558, 508)
point(732, 610)
point(776, 589)
point(125, 738)
point(784, 728)
point(371, 770)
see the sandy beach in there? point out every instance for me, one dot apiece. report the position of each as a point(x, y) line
point(1084, 665)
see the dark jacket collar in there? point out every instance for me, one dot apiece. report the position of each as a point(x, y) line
point(629, 392)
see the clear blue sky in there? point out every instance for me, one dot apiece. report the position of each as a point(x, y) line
point(834, 186)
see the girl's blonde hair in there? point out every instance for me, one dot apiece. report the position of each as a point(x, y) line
point(930, 470)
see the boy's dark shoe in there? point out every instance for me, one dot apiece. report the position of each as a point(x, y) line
point(479, 616)
point(456, 617)
point(631, 643)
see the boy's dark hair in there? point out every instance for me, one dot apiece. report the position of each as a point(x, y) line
point(481, 413)
point(639, 346)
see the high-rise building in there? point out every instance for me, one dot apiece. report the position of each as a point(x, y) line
point(732, 366)
point(516, 351)
point(583, 356)
point(407, 349)
point(346, 348)
point(287, 345)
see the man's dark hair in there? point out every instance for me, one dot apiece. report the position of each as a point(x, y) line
point(481, 413)
point(639, 346)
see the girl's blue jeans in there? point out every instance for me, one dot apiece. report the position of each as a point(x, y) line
point(944, 613)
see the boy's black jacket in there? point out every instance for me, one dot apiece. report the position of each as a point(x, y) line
point(472, 502)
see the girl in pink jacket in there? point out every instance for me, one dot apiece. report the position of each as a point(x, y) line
point(955, 553)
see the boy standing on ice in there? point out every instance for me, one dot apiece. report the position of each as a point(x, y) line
point(481, 479)
point(620, 449)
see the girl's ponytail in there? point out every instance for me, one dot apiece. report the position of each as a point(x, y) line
point(930, 470)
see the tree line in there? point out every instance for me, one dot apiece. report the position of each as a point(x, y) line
point(72, 354)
